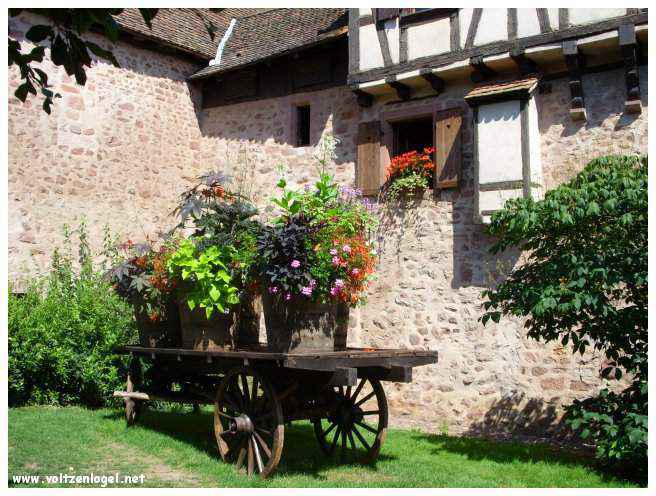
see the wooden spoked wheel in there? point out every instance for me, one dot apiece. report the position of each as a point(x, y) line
point(248, 422)
point(356, 421)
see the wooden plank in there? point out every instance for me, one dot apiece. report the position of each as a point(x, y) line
point(368, 176)
point(344, 377)
point(394, 374)
point(448, 157)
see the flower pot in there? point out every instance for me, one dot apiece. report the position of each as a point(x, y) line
point(200, 333)
point(247, 331)
point(304, 326)
point(163, 333)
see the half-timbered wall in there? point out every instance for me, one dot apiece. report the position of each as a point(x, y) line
point(418, 37)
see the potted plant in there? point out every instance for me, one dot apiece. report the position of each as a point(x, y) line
point(143, 279)
point(315, 262)
point(219, 305)
point(409, 175)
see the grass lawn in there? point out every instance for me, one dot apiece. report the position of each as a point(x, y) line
point(176, 448)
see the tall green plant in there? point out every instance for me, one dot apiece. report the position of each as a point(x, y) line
point(584, 283)
point(63, 331)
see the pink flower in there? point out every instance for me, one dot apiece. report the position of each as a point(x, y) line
point(295, 264)
point(339, 283)
point(307, 290)
point(336, 261)
point(273, 289)
point(313, 283)
point(346, 249)
point(355, 272)
point(333, 251)
point(288, 297)
point(333, 291)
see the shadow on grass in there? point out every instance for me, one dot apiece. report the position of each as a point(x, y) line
point(301, 453)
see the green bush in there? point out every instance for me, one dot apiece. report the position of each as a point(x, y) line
point(62, 331)
point(584, 282)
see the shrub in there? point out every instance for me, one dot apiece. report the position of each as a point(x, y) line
point(62, 332)
point(584, 282)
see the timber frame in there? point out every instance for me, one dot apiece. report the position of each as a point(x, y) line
point(468, 52)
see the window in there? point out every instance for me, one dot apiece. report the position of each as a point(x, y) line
point(415, 134)
point(303, 125)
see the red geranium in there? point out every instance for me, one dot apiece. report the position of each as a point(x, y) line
point(412, 162)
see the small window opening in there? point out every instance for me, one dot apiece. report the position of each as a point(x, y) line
point(415, 134)
point(303, 125)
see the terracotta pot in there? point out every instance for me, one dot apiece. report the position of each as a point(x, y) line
point(158, 334)
point(304, 326)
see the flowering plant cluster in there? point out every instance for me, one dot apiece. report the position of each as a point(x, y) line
point(317, 248)
point(143, 277)
point(410, 172)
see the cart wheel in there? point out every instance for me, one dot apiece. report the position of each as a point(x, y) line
point(248, 421)
point(355, 421)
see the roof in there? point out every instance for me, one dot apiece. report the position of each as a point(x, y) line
point(277, 31)
point(498, 90)
point(184, 29)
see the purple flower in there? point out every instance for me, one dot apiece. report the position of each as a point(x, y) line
point(273, 289)
point(288, 297)
point(295, 264)
point(313, 283)
point(346, 249)
point(339, 283)
point(333, 251)
point(306, 290)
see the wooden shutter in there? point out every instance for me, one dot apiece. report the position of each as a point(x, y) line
point(367, 171)
point(448, 156)
point(385, 14)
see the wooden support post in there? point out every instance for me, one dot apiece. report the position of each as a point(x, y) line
point(481, 71)
point(629, 49)
point(365, 100)
point(402, 90)
point(525, 65)
point(575, 63)
point(436, 82)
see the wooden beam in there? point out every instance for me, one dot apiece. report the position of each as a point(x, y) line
point(629, 49)
point(344, 377)
point(525, 65)
point(394, 374)
point(481, 71)
point(436, 82)
point(365, 100)
point(402, 90)
point(575, 62)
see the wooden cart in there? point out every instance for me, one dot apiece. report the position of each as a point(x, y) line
point(256, 392)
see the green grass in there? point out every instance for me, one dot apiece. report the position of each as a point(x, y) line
point(176, 448)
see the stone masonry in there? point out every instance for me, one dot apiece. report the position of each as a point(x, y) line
point(120, 150)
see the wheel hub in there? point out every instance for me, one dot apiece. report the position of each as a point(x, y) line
point(242, 423)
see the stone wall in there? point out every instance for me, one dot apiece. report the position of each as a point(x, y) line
point(117, 150)
point(120, 150)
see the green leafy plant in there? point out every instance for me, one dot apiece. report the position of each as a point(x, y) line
point(584, 283)
point(412, 182)
point(207, 276)
point(63, 331)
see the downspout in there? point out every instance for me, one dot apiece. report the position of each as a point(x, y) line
point(219, 50)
